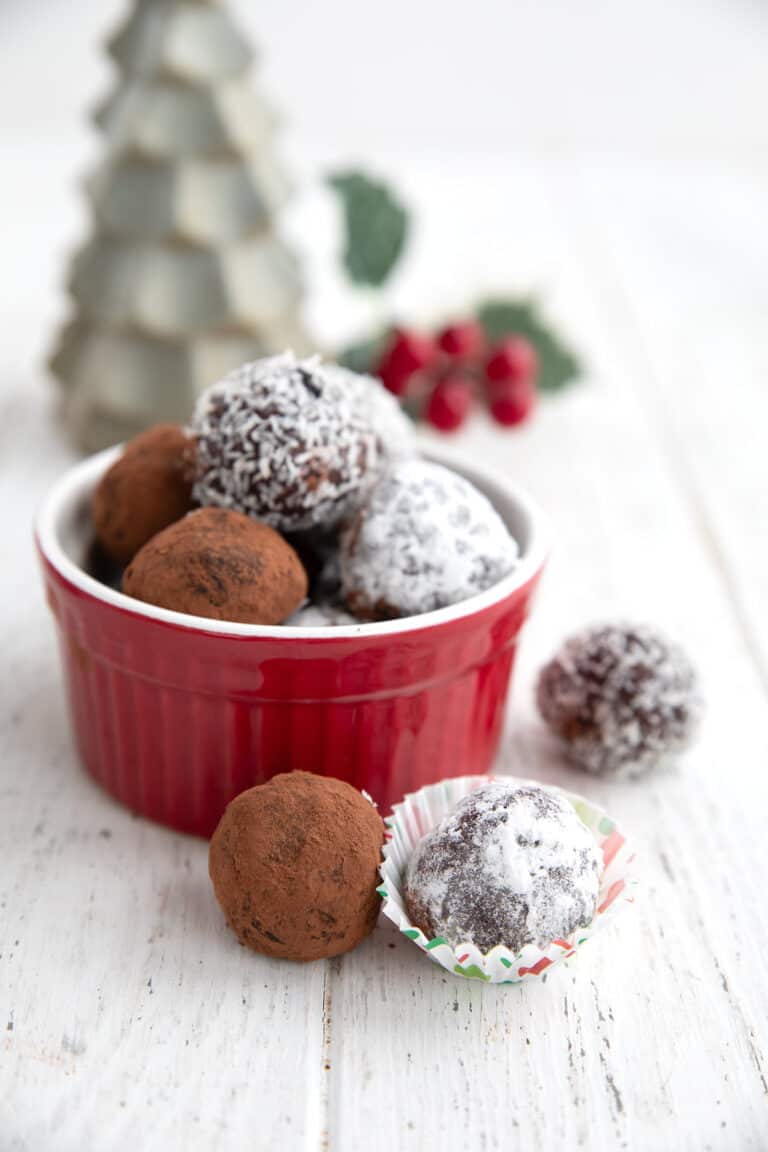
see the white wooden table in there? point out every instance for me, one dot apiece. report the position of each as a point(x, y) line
point(129, 1016)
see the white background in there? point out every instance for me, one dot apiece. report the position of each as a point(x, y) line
point(457, 88)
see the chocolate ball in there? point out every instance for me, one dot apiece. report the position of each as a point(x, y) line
point(222, 565)
point(511, 864)
point(281, 440)
point(295, 865)
point(621, 698)
point(395, 432)
point(145, 490)
point(425, 538)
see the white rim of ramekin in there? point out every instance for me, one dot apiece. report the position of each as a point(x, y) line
point(84, 474)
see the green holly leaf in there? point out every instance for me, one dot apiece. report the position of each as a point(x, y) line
point(558, 365)
point(376, 227)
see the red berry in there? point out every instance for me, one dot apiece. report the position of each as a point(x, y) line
point(462, 341)
point(406, 354)
point(449, 403)
point(512, 401)
point(392, 377)
point(513, 359)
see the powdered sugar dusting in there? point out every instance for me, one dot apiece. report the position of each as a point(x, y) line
point(322, 615)
point(511, 864)
point(622, 698)
point(425, 538)
point(281, 440)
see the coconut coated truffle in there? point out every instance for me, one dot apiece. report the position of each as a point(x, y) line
point(424, 538)
point(512, 864)
point(145, 490)
point(280, 440)
point(394, 431)
point(621, 698)
point(220, 564)
point(295, 865)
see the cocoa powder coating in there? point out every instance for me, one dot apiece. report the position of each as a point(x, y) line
point(295, 864)
point(145, 490)
point(220, 564)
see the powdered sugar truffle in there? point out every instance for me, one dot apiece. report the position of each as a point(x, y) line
point(321, 615)
point(280, 440)
point(621, 697)
point(425, 538)
point(379, 408)
point(511, 864)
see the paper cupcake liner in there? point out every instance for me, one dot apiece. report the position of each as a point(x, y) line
point(420, 811)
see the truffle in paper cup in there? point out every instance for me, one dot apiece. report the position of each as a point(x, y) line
point(421, 811)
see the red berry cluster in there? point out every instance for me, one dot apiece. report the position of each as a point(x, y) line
point(447, 373)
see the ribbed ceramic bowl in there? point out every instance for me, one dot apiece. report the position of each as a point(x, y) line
point(175, 715)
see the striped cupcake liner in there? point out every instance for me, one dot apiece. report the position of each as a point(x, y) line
point(420, 811)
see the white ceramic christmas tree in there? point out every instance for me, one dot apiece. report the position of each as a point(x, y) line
point(184, 275)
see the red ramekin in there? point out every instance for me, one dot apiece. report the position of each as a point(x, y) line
point(175, 715)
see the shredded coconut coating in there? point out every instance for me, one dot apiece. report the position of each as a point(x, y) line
point(621, 697)
point(425, 538)
point(394, 430)
point(280, 440)
point(512, 864)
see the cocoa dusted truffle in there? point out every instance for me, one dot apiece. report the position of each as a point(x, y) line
point(222, 565)
point(425, 538)
point(281, 440)
point(145, 490)
point(512, 864)
point(295, 864)
point(621, 697)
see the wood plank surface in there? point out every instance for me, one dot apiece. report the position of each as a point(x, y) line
point(129, 1016)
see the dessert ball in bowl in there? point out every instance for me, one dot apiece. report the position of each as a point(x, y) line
point(176, 714)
